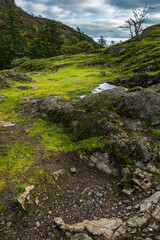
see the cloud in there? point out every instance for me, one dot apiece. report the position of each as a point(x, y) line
point(130, 4)
point(94, 17)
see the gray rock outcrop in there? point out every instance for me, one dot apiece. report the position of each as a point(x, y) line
point(144, 223)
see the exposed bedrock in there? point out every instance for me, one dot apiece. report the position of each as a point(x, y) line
point(125, 120)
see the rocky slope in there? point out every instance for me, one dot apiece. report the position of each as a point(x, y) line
point(124, 119)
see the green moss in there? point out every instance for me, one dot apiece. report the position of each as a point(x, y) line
point(2, 206)
point(156, 131)
point(128, 182)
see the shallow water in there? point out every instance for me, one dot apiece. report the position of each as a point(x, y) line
point(101, 87)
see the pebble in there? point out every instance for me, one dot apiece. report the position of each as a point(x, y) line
point(9, 224)
point(150, 229)
point(99, 195)
point(73, 170)
point(38, 224)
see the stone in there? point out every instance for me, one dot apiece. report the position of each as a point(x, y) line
point(73, 170)
point(57, 174)
point(156, 213)
point(38, 224)
point(6, 124)
point(128, 191)
point(34, 87)
point(146, 205)
point(99, 195)
point(24, 87)
point(138, 221)
point(2, 96)
point(22, 198)
point(78, 236)
point(4, 83)
point(9, 224)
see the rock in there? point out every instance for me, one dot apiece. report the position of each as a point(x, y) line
point(34, 87)
point(57, 174)
point(18, 76)
point(6, 124)
point(156, 213)
point(139, 221)
point(2, 96)
point(24, 87)
point(9, 217)
point(116, 229)
point(59, 222)
point(22, 198)
point(135, 89)
point(38, 224)
point(103, 163)
point(37, 201)
point(142, 178)
point(9, 224)
point(4, 83)
point(78, 236)
point(99, 195)
point(73, 170)
point(128, 191)
point(146, 205)
point(119, 117)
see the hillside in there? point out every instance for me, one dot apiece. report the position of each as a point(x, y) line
point(25, 35)
point(80, 144)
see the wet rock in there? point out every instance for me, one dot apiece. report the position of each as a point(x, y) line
point(22, 198)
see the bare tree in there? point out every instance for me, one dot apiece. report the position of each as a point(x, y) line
point(135, 24)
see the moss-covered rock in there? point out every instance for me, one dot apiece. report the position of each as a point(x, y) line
point(120, 117)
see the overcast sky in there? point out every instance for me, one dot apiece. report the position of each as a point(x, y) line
point(94, 17)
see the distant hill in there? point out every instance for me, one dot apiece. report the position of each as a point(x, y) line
point(22, 34)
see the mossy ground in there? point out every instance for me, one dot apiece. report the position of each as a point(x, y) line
point(24, 145)
point(29, 148)
point(68, 77)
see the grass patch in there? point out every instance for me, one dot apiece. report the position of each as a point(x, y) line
point(156, 131)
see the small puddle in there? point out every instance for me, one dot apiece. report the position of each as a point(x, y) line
point(100, 88)
point(103, 87)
